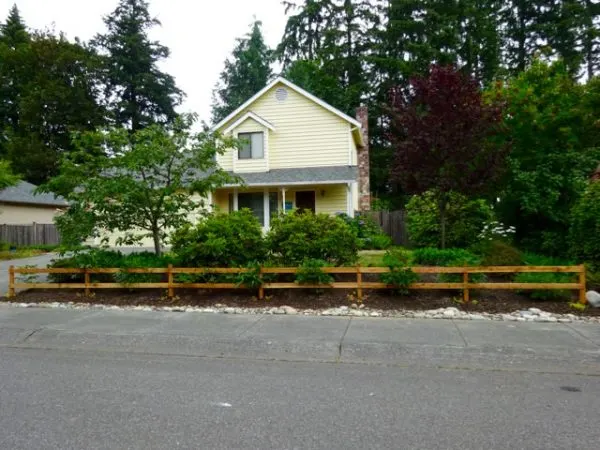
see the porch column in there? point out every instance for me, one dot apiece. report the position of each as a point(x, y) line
point(235, 199)
point(349, 200)
point(209, 201)
point(283, 199)
point(266, 212)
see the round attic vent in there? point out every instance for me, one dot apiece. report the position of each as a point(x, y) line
point(281, 94)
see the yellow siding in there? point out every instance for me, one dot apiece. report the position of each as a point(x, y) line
point(306, 134)
point(27, 214)
point(334, 201)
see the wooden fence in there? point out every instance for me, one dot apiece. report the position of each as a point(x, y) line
point(33, 234)
point(393, 223)
point(359, 284)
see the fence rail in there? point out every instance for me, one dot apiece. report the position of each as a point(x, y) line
point(359, 284)
point(32, 234)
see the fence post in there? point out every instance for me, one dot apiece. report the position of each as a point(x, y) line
point(582, 298)
point(359, 292)
point(466, 298)
point(261, 289)
point(170, 291)
point(11, 281)
point(86, 280)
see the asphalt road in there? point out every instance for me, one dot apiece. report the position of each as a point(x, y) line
point(149, 380)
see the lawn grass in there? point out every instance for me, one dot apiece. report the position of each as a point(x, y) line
point(374, 258)
point(26, 252)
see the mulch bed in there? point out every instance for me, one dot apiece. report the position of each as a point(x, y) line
point(489, 301)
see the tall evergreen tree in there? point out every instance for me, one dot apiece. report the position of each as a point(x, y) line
point(138, 93)
point(14, 32)
point(245, 73)
point(591, 36)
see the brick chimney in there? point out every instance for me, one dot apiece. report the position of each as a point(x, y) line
point(364, 187)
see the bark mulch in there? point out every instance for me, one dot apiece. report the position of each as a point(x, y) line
point(490, 301)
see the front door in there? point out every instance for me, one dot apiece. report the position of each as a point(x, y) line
point(305, 201)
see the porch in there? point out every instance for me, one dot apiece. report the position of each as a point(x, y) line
point(266, 201)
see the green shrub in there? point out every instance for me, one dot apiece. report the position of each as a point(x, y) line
point(498, 253)
point(532, 259)
point(370, 235)
point(142, 260)
point(584, 233)
point(449, 257)
point(400, 274)
point(220, 240)
point(4, 246)
point(94, 258)
point(464, 220)
point(294, 238)
point(311, 272)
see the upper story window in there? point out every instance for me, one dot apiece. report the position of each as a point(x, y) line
point(252, 146)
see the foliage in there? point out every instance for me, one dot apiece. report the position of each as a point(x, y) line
point(296, 237)
point(584, 232)
point(443, 135)
point(465, 220)
point(554, 151)
point(246, 73)
point(220, 240)
point(48, 89)
point(144, 188)
point(400, 274)
point(450, 257)
point(139, 94)
point(532, 259)
point(370, 236)
point(445, 257)
point(142, 260)
point(7, 178)
point(498, 252)
point(311, 272)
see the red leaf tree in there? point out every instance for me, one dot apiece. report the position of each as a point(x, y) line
point(443, 133)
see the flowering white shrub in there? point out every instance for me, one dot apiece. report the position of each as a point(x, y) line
point(496, 230)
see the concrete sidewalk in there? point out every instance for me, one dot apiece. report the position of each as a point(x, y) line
point(557, 348)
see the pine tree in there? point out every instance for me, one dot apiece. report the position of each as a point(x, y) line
point(245, 73)
point(139, 93)
point(590, 36)
point(14, 32)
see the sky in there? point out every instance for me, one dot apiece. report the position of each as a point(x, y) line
point(199, 33)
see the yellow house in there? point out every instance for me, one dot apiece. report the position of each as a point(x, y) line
point(297, 152)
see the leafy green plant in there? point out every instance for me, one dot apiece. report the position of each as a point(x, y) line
point(400, 274)
point(532, 259)
point(311, 272)
point(252, 278)
point(142, 260)
point(584, 233)
point(294, 238)
point(220, 240)
point(450, 257)
point(578, 306)
point(370, 236)
point(465, 220)
point(498, 253)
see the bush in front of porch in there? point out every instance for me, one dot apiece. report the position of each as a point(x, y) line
point(295, 238)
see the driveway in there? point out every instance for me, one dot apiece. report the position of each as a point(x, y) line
point(75, 379)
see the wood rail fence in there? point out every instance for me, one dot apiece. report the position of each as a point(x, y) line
point(170, 285)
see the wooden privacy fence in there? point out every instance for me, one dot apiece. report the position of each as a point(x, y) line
point(359, 284)
point(393, 223)
point(32, 234)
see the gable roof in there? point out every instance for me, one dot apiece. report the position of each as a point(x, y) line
point(296, 88)
point(24, 192)
point(253, 116)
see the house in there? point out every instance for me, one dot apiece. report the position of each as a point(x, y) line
point(298, 152)
point(20, 205)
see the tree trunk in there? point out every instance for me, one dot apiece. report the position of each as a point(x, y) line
point(156, 238)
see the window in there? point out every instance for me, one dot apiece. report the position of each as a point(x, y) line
point(255, 202)
point(252, 146)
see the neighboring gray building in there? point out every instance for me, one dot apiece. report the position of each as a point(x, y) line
point(20, 205)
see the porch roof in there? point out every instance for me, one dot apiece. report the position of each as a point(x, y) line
point(301, 175)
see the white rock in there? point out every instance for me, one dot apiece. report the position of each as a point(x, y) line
point(289, 310)
point(375, 314)
point(361, 306)
point(535, 310)
point(449, 313)
point(354, 306)
point(477, 317)
point(565, 320)
point(357, 313)
point(521, 319)
point(593, 298)
point(543, 319)
point(343, 308)
point(229, 310)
